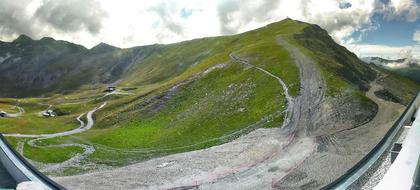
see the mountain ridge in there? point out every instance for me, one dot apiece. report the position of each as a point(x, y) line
point(406, 67)
point(205, 92)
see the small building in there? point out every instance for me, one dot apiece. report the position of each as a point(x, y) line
point(49, 113)
point(3, 114)
point(111, 89)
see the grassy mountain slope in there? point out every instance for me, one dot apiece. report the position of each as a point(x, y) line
point(409, 68)
point(410, 72)
point(191, 95)
point(37, 67)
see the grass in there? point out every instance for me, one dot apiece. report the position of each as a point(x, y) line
point(32, 123)
point(203, 111)
point(60, 154)
point(206, 110)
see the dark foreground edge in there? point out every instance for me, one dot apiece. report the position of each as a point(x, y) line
point(20, 169)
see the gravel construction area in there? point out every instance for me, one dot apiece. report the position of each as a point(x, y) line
point(257, 160)
point(343, 149)
point(204, 167)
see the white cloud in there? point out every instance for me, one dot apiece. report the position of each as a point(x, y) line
point(409, 9)
point(416, 36)
point(129, 23)
point(388, 52)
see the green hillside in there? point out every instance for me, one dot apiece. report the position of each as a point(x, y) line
point(177, 97)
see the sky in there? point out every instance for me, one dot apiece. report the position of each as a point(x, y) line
point(385, 28)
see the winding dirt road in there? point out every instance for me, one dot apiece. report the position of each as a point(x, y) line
point(20, 113)
point(282, 83)
point(80, 129)
point(254, 161)
point(88, 149)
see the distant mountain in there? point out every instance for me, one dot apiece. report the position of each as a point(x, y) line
point(203, 92)
point(409, 68)
point(35, 67)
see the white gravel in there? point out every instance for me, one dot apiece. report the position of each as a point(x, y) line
point(254, 161)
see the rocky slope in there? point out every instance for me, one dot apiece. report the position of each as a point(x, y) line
point(287, 87)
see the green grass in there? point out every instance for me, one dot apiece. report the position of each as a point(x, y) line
point(224, 101)
point(51, 154)
point(205, 110)
point(277, 62)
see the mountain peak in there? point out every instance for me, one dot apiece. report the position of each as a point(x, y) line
point(103, 47)
point(23, 39)
point(47, 39)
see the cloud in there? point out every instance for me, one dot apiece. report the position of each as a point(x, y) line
point(71, 15)
point(388, 52)
point(226, 11)
point(166, 11)
point(408, 57)
point(416, 36)
point(400, 9)
point(65, 19)
point(234, 15)
point(130, 23)
point(15, 19)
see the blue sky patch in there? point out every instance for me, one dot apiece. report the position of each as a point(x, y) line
point(390, 32)
point(185, 13)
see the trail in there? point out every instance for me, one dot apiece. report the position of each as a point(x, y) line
point(20, 113)
point(88, 149)
point(256, 160)
point(306, 110)
point(282, 83)
point(114, 92)
point(80, 129)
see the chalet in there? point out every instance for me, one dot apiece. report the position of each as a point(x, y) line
point(49, 113)
point(111, 89)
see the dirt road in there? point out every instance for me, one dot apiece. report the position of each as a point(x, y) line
point(74, 160)
point(256, 160)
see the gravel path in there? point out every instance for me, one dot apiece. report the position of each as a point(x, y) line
point(114, 92)
point(88, 149)
point(254, 161)
point(306, 110)
point(20, 113)
point(289, 98)
point(82, 128)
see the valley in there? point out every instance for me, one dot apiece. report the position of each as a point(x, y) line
point(268, 108)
